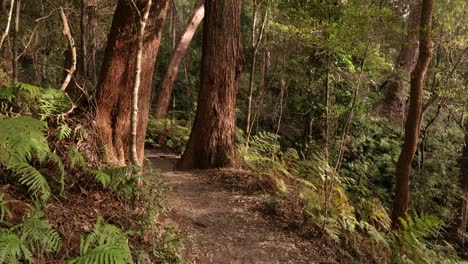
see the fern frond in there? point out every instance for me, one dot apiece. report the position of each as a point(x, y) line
point(31, 177)
point(106, 244)
point(101, 176)
point(12, 248)
point(76, 158)
point(40, 234)
point(64, 131)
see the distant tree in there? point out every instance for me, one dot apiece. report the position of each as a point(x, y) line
point(117, 77)
point(392, 105)
point(211, 142)
point(413, 120)
point(163, 95)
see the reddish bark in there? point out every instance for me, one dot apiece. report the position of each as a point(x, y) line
point(117, 77)
point(164, 92)
point(392, 105)
point(413, 121)
point(211, 142)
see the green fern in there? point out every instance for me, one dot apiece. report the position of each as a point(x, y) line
point(101, 177)
point(34, 234)
point(13, 248)
point(36, 101)
point(107, 244)
point(417, 241)
point(64, 131)
point(40, 235)
point(21, 140)
point(76, 158)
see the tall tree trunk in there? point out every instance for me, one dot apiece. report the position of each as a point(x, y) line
point(136, 85)
point(211, 142)
point(117, 78)
point(392, 105)
point(413, 121)
point(15, 41)
point(164, 92)
point(255, 41)
point(91, 32)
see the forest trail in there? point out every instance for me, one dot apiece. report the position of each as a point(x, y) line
point(226, 226)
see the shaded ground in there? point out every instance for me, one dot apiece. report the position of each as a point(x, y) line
point(227, 226)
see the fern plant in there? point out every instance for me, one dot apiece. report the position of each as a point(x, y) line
point(33, 235)
point(27, 99)
point(107, 244)
point(21, 140)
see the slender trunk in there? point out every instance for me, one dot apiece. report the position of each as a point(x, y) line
point(136, 86)
point(83, 40)
point(71, 44)
point(280, 105)
point(392, 105)
point(117, 78)
point(413, 122)
point(424, 135)
point(211, 142)
point(91, 37)
point(7, 28)
point(15, 42)
point(255, 46)
point(164, 92)
point(349, 118)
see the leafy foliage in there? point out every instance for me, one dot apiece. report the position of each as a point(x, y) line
point(107, 244)
point(167, 133)
point(33, 235)
point(27, 99)
point(21, 141)
point(418, 241)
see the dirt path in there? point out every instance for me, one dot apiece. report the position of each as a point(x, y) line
point(226, 226)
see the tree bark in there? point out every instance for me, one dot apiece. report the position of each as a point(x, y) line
point(211, 142)
point(413, 121)
point(392, 105)
point(164, 92)
point(136, 85)
point(117, 77)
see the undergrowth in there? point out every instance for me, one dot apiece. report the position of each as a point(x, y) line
point(41, 160)
point(325, 203)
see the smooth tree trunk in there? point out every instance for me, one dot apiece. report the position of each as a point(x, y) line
point(136, 86)
point(413, 120)
point(392, 105)
point(15, 41)
point(7, 28)
point(163, 95)
point(255, 41)
point(211, 142)
point(112, 121)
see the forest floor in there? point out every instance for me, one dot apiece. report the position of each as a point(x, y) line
point(228, 226)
